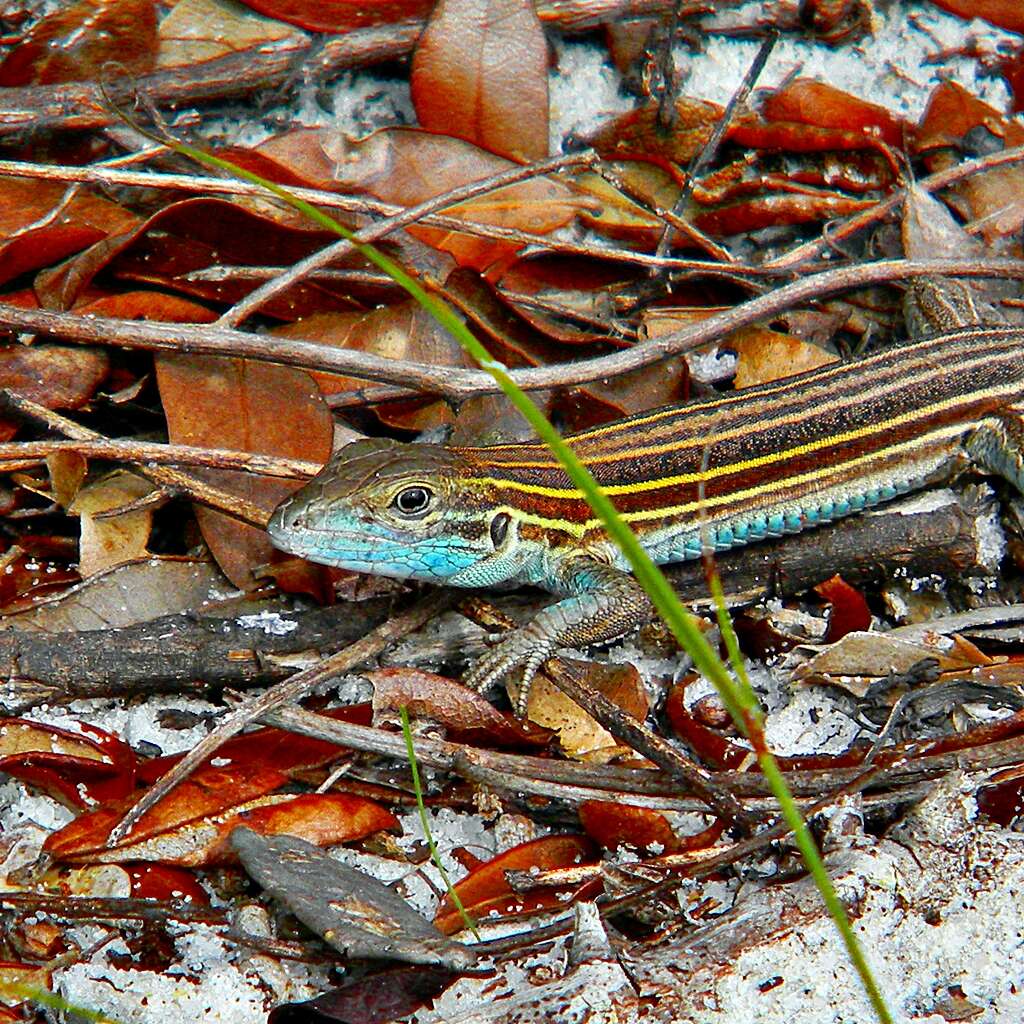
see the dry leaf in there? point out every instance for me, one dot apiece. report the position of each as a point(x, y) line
point(200, 30)
point(579, 735)
point(480, 72)
point(251, 407)
point(107, 543)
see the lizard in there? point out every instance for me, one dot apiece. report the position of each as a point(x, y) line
point(726, 471)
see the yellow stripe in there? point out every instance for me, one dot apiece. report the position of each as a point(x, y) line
point(579, 529)
point(683, 444)
point(924, 351)
point(570, 493)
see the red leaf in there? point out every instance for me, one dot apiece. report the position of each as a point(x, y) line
point(206, 793)
point(73, 44)
point(808, 101)
point(850, 612)
point(1007, 14)
point(341, 15)
point(480, 72)
point(165, 882)
point(322, 818)
point(38, 226)
point(79, 767)
point(614, 825)
point(190, 827)
point(775, 209)
point(485, 890)
point(268, 748)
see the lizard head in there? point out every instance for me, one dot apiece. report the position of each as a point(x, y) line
point(394, 509)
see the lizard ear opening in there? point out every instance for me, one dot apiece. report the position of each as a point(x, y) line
point(499, 528)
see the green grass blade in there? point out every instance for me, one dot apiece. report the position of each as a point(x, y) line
point(435, 856)
point(739, 699)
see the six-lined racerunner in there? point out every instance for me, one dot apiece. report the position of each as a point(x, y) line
point(727, 471)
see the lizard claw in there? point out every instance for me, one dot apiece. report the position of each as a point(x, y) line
point(515, 651)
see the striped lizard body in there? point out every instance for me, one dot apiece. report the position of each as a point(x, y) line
point(766, 461)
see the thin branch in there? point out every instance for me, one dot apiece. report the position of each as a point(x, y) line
point(346, 246)
point(458, 384)
point(170, 479)
point(941, 179)
point(142, 452)
point(367, 205)
point(295, 688)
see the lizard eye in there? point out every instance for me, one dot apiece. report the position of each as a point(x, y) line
point(412, 501)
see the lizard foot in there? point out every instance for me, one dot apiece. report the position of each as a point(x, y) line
point(520, 649)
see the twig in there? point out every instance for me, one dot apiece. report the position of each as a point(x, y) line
point(298, 686)
point(172, 479)
point(710, 149)
point(941, 179)
point(191, 183)
point(77, 106)
point(628, 730)
point(343, 247)
point(143, 452)
point(458, 384)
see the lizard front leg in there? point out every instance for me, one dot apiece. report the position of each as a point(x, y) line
point(603, 604)
point(998, 446)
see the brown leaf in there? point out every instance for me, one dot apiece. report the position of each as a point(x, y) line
point(72, 44)
point(110, 542)
point(993, 198)
point(67, 474)
point(860, 659)
point(125, 595)
point(407, 166)
point(480, 72)
point(403, 330)
point(638, 134)
point(469, 717)
point(579, 735)
point(202, 30)
point(766, 355)
point(54, 376)
point(763, 355)
point(774, 209)
point(624, 219)
point(245, 406)
point(205, 794)
point(147, 305)
point(40, 225)
point(187, 236)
